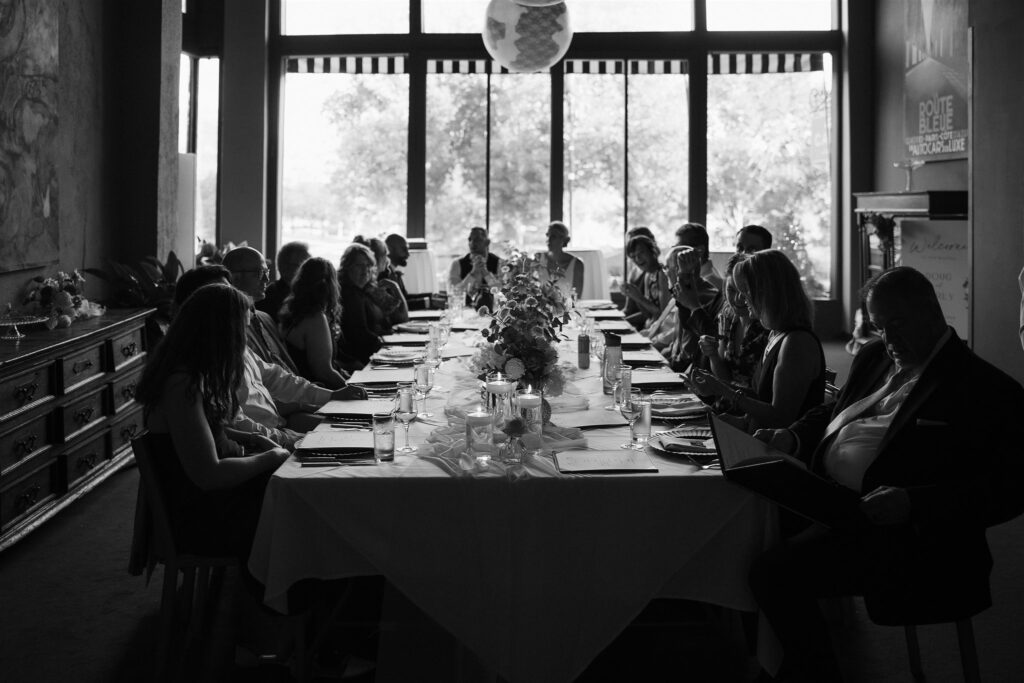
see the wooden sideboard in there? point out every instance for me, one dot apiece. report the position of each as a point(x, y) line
point(67, 414)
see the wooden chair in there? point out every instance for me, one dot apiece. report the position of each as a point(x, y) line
point(202, 575)
point(968, 651)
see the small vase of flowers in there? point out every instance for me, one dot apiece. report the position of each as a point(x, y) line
point(59, 298)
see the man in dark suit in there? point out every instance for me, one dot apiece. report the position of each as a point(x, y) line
point(929, 435)
point(478, 271)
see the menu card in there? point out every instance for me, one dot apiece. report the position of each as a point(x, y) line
point(604, 462)
point(652, 378)
point(405, 339)
point(425, 315)
point(643, 356)
point(381, 376)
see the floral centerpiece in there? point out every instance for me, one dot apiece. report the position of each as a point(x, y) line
point(59, 298)
point(521, 339)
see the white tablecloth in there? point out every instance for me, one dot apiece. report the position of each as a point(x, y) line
point(534, 571)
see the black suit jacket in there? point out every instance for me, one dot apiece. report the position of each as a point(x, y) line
point(954, 445)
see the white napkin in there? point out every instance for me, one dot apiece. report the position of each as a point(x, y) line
point(678, 444)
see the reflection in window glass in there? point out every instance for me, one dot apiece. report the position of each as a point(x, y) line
point(769, 162)
point(594, 136)
point(184, 102)
point(631, 15)
point(344, 158)
point(769, 15)
point(453, 16)
point(456, 170)
point(207, 113)
point(659, 152)
point(520, 198)
point(329, 17)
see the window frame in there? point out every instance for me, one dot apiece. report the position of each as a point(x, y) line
point(694, 47)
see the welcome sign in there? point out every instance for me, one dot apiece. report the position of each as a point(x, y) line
point(938, 249)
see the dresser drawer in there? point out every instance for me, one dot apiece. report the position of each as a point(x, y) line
point(27, 440)
point(21, 497)
point(85, 459)
point(82, 367)
point(125, 428)
point(26, 389)
point(123, 390)
point(127, 348)
point(80, 415)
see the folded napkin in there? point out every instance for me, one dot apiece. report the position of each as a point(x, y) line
point(680, 410)
point(415, 327)
point(678, 444)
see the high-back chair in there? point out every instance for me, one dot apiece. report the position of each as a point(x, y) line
point(968, 651)
point(195, 569)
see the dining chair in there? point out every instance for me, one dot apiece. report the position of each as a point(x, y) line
point(202, 576)
point(831, 390)
point(968, 651)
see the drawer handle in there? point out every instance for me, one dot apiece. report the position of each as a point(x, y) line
point(128, 432)
point(85, 464)
point(25, 446)
point(81, 366)
point(83, 416)
point(128, 391)
point(128, 350)
point(25, 392)
point(27, 499)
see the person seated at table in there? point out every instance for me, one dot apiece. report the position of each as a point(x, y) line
point(311, 322)
point(790, 380)
point(698, 299)
point(751, 238)
point(695, 235)
point(928, 435)
point(250, 274)
point(733, 354)
point(384, 290)
point(651, 293)
point(398, 257)
point(362, 320)
point(634, 275)
point(662, 331)
point(558, 266)
point(213, 486)
point(289, 258)
point(476, 272)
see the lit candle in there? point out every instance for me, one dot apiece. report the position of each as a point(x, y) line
point(529, 401)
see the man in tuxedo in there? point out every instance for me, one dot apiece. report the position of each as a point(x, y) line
point(929, 435)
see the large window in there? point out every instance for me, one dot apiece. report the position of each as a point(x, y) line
point(199, 109)
point(663, 111)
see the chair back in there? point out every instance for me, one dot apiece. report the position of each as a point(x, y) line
point(161, 539)
point(831, 390)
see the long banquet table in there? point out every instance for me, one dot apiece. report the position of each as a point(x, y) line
point(534, 571)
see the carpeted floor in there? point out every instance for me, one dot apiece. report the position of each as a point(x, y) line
point(70, 611)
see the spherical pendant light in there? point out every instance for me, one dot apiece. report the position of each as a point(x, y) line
point(526, 38)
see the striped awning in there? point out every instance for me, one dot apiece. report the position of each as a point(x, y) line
point(721, 63)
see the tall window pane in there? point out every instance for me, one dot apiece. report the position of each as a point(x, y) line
point(184, 101)
point(520, 198)
point(769, 15)
point(769, 162)
point(456, 168)
point(344, 158)
point(659, 152)
point(617, 16)
point(312, 17)
point(207, 112)
point(593, 201)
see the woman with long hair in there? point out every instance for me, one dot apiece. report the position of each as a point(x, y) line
point(213, 486)
point(362, 320)
point(310, 322)
point(559, 266)
point(385, 292)
point(790, 378)
point(647, 298)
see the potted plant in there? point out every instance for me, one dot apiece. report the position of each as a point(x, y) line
point(148, 283)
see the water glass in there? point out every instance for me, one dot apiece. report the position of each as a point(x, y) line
point(641, 427)
point(431, 354)
point(622, 381)
point(384, 437)
point(423, 382)
point(480, 435)
point(405, 411)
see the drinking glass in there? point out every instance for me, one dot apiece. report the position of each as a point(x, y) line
point(405, 411)
point(445, 329)
point(622, 378)
point(423, 382)
point(630, 407)
point(384, 437)
point(431, 354)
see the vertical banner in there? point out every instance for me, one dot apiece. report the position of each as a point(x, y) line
point(935, 79)
point(939, 250)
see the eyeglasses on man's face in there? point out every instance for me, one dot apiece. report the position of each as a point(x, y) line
point(263, 272)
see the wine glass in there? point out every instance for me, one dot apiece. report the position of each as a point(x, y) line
point(423, 382)
point(621, 376)
point(445, 331)
point(405, 411)
point(630, 408)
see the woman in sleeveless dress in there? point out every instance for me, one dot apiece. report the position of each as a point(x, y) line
point(790, 379)
point(311, 322)
point(564, 270)
point(213, 485)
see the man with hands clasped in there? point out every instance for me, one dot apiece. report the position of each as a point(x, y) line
point(929, 435)
point(698, 299)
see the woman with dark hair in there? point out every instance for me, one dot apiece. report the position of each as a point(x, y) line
point(362, 320)
point(213, 487)
point(790, 379)
point(311, 322)
point(648, 296)
point(385, 292)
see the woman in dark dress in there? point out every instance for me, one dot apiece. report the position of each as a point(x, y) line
point(311, 322)
point(213, 486)
point(790, 379)
point(362, 320)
